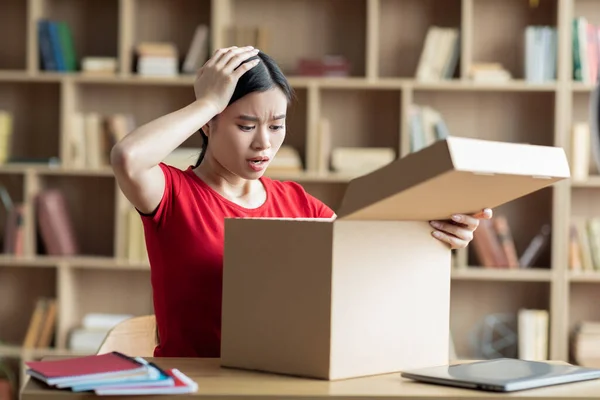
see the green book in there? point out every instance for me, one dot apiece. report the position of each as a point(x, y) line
point(66, 43)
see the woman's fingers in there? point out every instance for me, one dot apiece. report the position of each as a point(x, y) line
point(232, 54)
point(469, 221)
point(238, 59)
point(245, 67)
point(453, 241)
point(460, 232)
point(486, 213)
point(217, 55)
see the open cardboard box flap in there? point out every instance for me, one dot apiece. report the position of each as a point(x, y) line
point(454, 175)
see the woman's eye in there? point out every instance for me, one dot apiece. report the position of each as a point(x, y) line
point(277, 127)
point(246, 128)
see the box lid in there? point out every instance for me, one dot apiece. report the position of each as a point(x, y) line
point(454, 175)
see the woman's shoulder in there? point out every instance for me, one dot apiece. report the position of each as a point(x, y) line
point(294, 194)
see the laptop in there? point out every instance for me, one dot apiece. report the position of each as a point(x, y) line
point(502, 374)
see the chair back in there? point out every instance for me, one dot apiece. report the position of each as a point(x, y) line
point(134, 337)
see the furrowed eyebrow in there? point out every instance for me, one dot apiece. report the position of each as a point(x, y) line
point(254, 119)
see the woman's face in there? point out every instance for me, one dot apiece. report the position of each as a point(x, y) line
point(245, 137)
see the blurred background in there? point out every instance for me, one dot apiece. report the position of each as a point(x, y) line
point(375, 80)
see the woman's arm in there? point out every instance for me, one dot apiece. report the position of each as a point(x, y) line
point(135, 159)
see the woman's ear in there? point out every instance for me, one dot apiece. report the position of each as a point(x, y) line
point(206, 129)
point(208, 126)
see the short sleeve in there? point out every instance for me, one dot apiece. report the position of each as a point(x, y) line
point(318, 208)
point(172, 187)
point(312, 206)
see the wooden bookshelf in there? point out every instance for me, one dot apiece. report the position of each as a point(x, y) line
point(383, 40)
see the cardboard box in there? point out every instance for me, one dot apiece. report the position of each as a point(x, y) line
point(368, 293)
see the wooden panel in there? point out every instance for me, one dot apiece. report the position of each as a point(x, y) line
point(590, 9)
point(158, 100)
point(91, 206)
point(97, 291)
point(473, 301)
point(296, 123)
point(19, 290)
point(402, 31)
point(94, 24)
point(524, 117)
point(362, 117)
point(170, 21)
point(13, 25)
point(499, 30)
point(585, 202)
point(581, 106)
point(308, 28)
point(35, 110)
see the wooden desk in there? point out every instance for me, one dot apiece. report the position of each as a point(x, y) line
point(230, 384)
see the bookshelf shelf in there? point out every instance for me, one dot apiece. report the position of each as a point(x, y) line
point(581, 294)
point(402, 30)
point(34, 280)
point(166, 21)
point(13, 25)
point(501, 25)
point(383, 40)
point(91, 23)
point(591, 182)
point(326, 34)
point(35, 107)
point(375, 111)
point(486, 274)
point(584, 276)
point(475, 305)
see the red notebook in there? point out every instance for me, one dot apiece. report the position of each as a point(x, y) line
point(85, 367)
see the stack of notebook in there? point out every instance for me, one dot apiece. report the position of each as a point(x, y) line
point(110, 374)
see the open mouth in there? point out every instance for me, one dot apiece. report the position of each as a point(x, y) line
point(258, 160)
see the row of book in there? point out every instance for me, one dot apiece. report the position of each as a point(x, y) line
point(440, 54)
point(585, 344)
point(533, 332)
point(426, 126)
point(6, 134)
point(56, 46)
point(40, 332)
point(53, 223)
point(541, 45)
point(584, 154)
point(584, 244)
point(494, 245)
point(111, 373)
point(164, 58)
point(586, 50)
point(93, 135)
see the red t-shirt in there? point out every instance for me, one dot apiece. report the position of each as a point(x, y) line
point(184, 238)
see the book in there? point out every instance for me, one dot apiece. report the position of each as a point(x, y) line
point(181, 384)
point(110, 374)
point(79, 369)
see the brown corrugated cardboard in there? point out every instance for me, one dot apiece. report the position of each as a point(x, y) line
point(368, 293)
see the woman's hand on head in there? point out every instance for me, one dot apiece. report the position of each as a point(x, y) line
point(216, 80)
point(458, 232)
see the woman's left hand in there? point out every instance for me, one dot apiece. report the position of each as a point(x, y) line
point(458, 232)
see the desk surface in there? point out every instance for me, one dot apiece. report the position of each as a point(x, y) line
point(232, 384)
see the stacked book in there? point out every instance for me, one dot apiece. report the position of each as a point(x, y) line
point(110, 374)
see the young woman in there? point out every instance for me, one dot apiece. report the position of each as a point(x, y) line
point(240, 110)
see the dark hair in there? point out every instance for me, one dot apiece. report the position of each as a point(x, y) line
point(260, 78)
